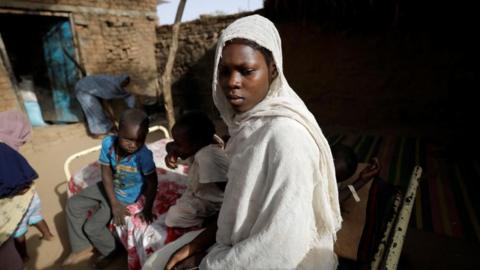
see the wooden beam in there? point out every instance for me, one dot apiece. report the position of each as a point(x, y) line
point(29, 6)
point(167, 74)
point(8, 68)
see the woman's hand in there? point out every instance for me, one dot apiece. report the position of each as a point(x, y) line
point(180, 255)
point(191, 262)
point(197, 247)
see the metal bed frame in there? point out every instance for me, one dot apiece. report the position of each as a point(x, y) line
point(66, 165)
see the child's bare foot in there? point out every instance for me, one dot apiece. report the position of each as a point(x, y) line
point(76, 257)
point(44, 230)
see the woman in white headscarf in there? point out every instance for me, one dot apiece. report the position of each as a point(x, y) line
point(280, 209)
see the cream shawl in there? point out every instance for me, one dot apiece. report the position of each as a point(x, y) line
point(281, 201)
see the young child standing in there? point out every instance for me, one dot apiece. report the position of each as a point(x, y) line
point(33, 217)
point(17, 177)
point(194, 139)
point(128, 172)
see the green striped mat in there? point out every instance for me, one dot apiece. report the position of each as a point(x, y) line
point(446, 201)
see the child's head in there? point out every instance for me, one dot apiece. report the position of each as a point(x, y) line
point(133, 130)
point(345, 161)
point(245, 72)
point(192, 132)
point(15, 128)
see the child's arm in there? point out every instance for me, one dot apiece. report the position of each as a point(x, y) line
point(149, 173)
point(149, 192)
point(118, 209)
point(372, 170)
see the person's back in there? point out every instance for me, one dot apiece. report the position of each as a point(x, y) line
point(104, 86)
point(93, 92)
point(194, 140)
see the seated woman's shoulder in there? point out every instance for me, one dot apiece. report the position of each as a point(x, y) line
point(285, 125)
point(287, 131)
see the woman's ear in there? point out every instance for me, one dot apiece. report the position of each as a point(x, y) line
point(273, 71)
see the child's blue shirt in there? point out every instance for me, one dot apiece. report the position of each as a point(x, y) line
point(129, 172)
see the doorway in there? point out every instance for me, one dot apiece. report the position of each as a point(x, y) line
point(41, 52)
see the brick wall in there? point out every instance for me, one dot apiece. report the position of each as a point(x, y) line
point(119, 44)
point(112, 36)
point(8, 100)
point(192, 71)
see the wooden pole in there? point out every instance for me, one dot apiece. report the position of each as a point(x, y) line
point(13, 81)
point(167, 74)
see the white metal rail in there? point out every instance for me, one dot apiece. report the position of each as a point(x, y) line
point(66, 165)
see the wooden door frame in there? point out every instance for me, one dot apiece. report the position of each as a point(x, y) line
point(26, 12)
point(11, 75)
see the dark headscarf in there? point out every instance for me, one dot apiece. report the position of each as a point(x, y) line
point(15, 172)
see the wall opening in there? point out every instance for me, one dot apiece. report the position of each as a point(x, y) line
point(41, 53)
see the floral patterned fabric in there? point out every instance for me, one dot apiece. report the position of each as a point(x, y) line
point(140, 239)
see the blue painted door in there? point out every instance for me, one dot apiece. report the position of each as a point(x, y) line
point(62, 71)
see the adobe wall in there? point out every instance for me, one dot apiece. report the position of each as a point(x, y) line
point(111, 36)
point(368, 80)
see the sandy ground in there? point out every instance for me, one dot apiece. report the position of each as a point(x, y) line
point(47, 151)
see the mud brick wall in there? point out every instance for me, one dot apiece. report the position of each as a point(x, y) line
point(111, 36)
point(119, 44)
point(8, 99)
point(192, 71)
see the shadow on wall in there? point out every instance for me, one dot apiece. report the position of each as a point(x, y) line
point(415, 77)
point(193, 91)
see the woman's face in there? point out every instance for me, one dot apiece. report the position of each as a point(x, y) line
point(244, 76)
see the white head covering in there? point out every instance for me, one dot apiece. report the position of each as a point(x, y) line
point(281, 100)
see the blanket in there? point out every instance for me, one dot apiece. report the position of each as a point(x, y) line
point(139, 239)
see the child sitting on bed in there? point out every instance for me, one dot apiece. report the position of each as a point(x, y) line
point(346, 163)
point(128, 172)
point(194, 139)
